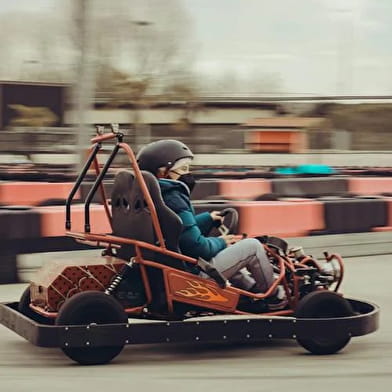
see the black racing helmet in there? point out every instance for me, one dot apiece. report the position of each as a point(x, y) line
point(162, 153)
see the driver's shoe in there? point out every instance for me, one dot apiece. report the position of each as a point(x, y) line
point(278, 301)
point(274, 303)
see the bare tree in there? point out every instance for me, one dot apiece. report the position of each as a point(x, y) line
point(147, 58)
point(141, 51)
point(231, 82)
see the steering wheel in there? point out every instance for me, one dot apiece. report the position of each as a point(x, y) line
point(230, 221)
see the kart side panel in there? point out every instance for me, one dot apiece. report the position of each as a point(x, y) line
point(200, 292)
point(206, 329)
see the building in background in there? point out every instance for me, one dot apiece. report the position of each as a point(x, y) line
point(34, 104)
point(279, 134)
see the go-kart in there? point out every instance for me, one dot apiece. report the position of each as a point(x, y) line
point(142, 289)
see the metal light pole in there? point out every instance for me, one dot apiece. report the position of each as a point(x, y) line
point(84, 89)
point(142, 131)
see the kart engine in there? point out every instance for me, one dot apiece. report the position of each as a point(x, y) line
point(332, 269)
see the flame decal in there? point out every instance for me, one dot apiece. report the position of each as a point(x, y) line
point(199, 291)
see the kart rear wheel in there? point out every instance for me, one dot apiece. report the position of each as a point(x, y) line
point(324, 304)
point(24, 308)
point(86, 308)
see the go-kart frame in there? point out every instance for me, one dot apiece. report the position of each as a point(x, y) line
point(231, 325)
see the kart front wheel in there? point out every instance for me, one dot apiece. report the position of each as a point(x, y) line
point(91, 307)
point(324, 304)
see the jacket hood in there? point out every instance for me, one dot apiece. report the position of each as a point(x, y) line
point(169, 185)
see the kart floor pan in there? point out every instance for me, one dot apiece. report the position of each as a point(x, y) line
point(203, 329)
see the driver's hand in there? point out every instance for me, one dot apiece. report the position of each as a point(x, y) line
point(229, 239)
point(215, 216)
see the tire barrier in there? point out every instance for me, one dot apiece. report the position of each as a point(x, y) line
point(388, 226)
point(16, 226)
point(309, 187)
point(353, 215)
point(8, 265)
point(389, 203)
point(19, 223)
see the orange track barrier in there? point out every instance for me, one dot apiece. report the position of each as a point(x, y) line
point(280, 218)
point(370, 186)
point(32, 193)
point(53, 218)
point(244, 189)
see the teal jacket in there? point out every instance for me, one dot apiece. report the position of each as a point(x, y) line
point(193, 239)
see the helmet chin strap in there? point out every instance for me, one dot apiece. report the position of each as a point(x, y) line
point(165, 174)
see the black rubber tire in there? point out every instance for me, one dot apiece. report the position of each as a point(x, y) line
point(86, 308)
point(24, 308)
point(323, 304)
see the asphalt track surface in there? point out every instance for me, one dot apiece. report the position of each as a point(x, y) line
point(364, 365)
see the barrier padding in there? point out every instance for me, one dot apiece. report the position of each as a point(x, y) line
point(33, 193)
point(388, 226)
point(309, 187)
point(354, 215)
point(280, 218)
point(16, 226)
point(53, 220)
point(244, 189)
point(19, 223)
point(388, 200)
point(205, 188)
point(8, 268)
point(370, 185)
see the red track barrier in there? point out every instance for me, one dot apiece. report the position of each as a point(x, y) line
point(369, 186)
point(32, 193)
point(244, 189)
point(53, 218)
point(280, 218)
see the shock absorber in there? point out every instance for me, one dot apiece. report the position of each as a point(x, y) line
point(123, 274)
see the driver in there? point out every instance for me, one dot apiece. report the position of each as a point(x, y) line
point(244, 263)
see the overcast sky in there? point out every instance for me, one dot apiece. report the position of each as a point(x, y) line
point(310, 46)
point(315, 46)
